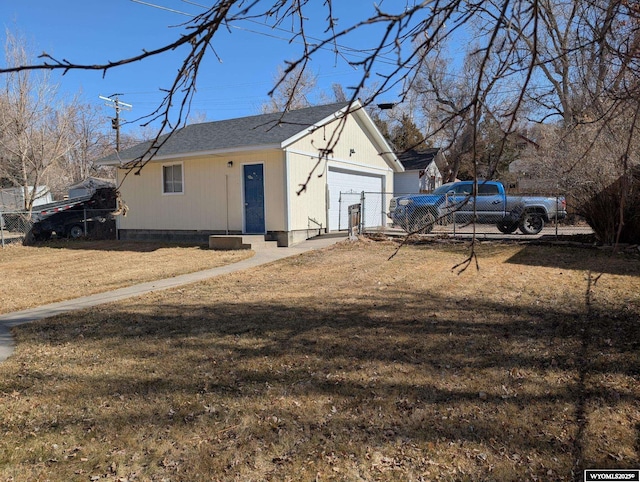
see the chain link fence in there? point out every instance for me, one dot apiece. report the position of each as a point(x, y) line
point(25, 228)
point(13, 227)
point(455, 216)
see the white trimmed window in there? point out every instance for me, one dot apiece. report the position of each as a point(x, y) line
point(172, 179)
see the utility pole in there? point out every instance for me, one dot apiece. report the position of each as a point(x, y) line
point(114, 102)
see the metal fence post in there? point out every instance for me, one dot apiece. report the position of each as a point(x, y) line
point(85, 221)
point(453, 215)
point(362, 213)
point(339, 210)
point(2, 228)
point(557, 204)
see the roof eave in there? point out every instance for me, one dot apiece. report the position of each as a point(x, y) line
point(312, 128)
point(110, 162)
point(187, 155)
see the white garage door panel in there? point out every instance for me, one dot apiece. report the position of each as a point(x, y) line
point(345, 189)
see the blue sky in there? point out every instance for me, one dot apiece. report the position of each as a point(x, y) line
point(88, 31)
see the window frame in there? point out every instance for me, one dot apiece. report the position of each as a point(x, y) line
point(173, 165)
point(463, 189)
point(483, 189)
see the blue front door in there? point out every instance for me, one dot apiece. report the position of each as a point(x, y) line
point(254, 198)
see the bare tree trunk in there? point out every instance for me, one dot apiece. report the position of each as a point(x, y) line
point(34, 128)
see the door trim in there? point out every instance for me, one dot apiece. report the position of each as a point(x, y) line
point(264, 200)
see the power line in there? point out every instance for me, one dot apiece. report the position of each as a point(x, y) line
point(339, 49)
point(160, 7)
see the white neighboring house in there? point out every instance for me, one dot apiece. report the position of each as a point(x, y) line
point(244, 176)
point(421, 173)
point(12, 198)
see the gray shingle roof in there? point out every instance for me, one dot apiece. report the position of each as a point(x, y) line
point(257, 130)
point(417, 159)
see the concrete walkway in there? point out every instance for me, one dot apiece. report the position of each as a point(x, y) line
point(262, 256)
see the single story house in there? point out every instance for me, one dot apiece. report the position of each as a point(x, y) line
point(13, 198)
point(420, 174)
point(245, 176)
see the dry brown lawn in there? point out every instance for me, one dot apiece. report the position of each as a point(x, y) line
point(37, 275)
point(340, 365)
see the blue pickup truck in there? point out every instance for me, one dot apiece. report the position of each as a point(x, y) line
point(459, 202)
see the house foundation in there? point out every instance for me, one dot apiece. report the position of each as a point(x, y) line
point(283, 239)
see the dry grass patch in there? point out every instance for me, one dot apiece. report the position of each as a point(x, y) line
point(37, 275)
point(339, 365)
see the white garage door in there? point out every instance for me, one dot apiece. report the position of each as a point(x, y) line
point(345, 189)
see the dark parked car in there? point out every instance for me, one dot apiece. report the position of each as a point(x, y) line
point(75, 218)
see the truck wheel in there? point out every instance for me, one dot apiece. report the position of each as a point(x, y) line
point(76, 231)
point(43, 236)
point(422, 223)
point(507, 227)
point(29, 238)
point(32, 237)
point(532, 223)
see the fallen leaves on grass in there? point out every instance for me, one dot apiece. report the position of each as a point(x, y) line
point(339, 365)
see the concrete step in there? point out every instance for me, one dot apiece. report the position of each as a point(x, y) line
point(244, 241)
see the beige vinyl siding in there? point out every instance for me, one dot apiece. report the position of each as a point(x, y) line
point(203, 203)
point(303, 155)
point(353, 136)
point(310, 203)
